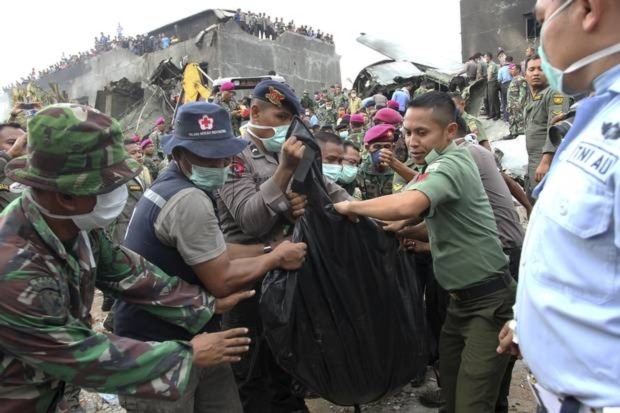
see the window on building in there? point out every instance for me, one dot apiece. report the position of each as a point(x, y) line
point(532, 27)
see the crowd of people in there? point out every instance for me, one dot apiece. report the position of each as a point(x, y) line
point(257, 24)
point(139, 45)
point(262, 26)
point(213, 212)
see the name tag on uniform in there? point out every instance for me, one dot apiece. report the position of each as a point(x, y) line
point(135, 188)
point(593, 160)
point(4, 187)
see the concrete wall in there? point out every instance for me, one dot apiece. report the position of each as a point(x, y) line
point(487, 25)
point(304, 62)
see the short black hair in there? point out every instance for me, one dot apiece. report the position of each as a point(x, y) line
point(13, 125)
point(327, 137)
point(444, 109)
point(488, 54)
point(130, 141)
point(463, 128)
point(349, 144)
point(529, 59)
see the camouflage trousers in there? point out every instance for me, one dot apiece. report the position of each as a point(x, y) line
point(516, 121)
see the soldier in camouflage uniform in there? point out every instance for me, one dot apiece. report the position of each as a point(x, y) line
point(517, 96)
point(356, 130)
point(227, 100)
point(375, 177)
point(12, 145)
point(473, 123)
point(327, 114)
point(54, 254)
point(156, 135)
point(340, 99)
point(306, 101)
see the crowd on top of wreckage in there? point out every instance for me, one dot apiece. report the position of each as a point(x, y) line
point(257, 24)
point(204, 207)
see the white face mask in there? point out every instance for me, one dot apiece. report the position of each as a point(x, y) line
point(107, 208)
point(554, 75)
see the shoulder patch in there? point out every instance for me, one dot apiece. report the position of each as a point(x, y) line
point(611, 131)
point(558, 99)
point(237, 167)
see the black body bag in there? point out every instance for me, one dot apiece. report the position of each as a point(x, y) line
point(350, 323)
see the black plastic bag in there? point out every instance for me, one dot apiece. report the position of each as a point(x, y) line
point(349, 324)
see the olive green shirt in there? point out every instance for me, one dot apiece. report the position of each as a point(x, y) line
point(461, 226)
point(540, 109)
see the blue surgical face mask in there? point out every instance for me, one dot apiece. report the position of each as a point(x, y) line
point(349, 173)
point(208, 179)
point(555, 76)
point(344, 134)
point(274, 143)
point(332, 171)
point(375, 156)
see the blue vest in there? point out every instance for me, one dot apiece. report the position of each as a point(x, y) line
point(129, 320)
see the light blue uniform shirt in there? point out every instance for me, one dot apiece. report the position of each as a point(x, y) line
point(503, 75)
point(568, 299)
point(402, 97)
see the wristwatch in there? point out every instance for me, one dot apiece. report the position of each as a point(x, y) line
point(267, 249)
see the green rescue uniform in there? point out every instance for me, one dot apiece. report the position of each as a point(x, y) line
point(470, 264)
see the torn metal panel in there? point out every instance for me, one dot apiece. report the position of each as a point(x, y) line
point(388, 73)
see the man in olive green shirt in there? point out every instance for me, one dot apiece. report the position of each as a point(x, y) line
point(467, 253)
point(542, 105)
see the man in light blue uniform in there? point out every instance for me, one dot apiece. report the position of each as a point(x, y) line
point(568, 299)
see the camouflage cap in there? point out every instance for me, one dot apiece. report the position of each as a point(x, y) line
point(74, 150)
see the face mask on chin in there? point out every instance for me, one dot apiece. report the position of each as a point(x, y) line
point(555, 76)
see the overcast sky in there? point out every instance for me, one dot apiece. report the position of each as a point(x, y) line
point(35, 33)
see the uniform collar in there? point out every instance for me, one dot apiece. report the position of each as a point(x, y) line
point(40, 226)
point(434, 154)
point(608, 81)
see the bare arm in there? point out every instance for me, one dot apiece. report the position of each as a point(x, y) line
point(517, 192)
point(223, 276)
point(405, 205)
point(236, 251)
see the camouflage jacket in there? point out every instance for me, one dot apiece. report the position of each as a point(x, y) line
point(517, 94)
point(327, 116)
point(46, 292)
point(374, 184)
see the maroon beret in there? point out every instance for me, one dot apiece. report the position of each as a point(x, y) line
point(388, 115)
point(379, 132)
point(357, 118)
point(392, 104)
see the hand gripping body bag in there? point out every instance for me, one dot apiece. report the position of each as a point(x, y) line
point(349, 324)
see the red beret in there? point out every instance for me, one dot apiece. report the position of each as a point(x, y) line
point(392, 104)
point(379, 132)
point(388, 115)
point(227, 86)
point(357, 118)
